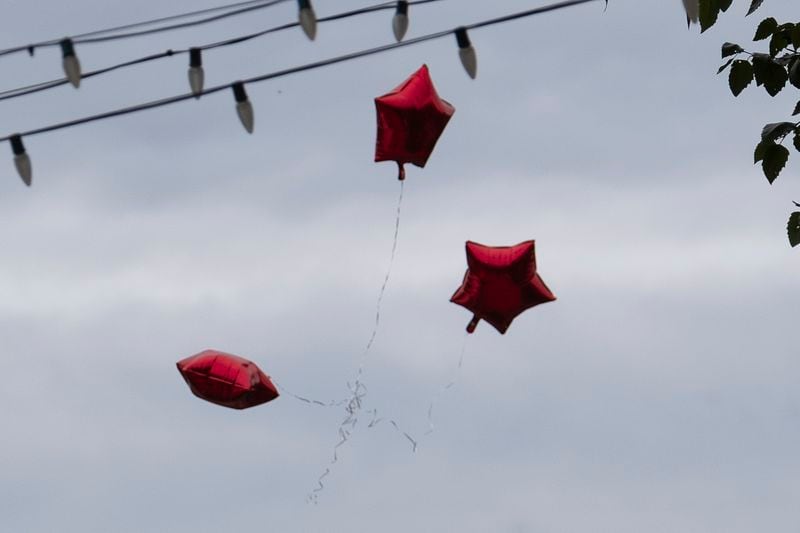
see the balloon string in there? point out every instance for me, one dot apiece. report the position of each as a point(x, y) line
point(453, 380)
point(375, 421)
point(385, 283)
point(358, 390)
point(346, 429)
point(311, 401)
point(355, 404)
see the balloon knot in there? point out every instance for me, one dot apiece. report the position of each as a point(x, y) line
point(472, 324)
point(401, 171)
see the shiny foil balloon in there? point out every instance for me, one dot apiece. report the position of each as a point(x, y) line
point(226, 380)
point(501, 282)
point(411, 118)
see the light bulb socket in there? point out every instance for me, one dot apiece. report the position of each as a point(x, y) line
point(238, 92)
point(195, 57)
point(67, 49)
point(462, 38)
point(304, 4)
point(402, 7)
point(16, 144)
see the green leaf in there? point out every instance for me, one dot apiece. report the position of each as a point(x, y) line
point(795, 36)
point(778, 42)
point(775, 158)
point(726, 65)
point(740, 77)
point(769, 73)
point(725, 4)
point(776, 131)
point(753, 6)
point(761, 149)
point(793, 229)
point(729, 49)
point(765, 29)
point(797, 139)
point(786, 30)
point(708, 13)
point(760, 66)
point(794, 73)
point(796, 109)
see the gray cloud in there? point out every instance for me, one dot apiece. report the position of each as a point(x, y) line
point(657, 393)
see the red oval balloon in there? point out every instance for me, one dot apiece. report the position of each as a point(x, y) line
point(226, 379)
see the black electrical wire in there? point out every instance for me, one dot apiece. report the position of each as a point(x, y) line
point(293, 70)
point(42, 86)
point(93, 36)
point(392, 4)
point(178, 26)
point(179, 16)
point(523, 14)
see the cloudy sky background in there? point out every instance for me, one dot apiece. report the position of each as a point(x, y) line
point(659, 393)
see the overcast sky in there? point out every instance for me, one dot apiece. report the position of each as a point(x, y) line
point(658, 393)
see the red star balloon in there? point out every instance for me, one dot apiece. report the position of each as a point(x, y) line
point(226, 379)
point(501, 282)
point(410, 120)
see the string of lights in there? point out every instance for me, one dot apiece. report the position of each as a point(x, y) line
point(466, 52)
point(72, 67)
point(43, 86)
point(195, 53)
point(229, 10)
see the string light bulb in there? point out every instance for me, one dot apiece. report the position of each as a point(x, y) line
point(21, 159)
point(308, 19)
point(196, 74)
point(243, 106)
point(466, 52)
point(400, 20)
point(72, 67)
